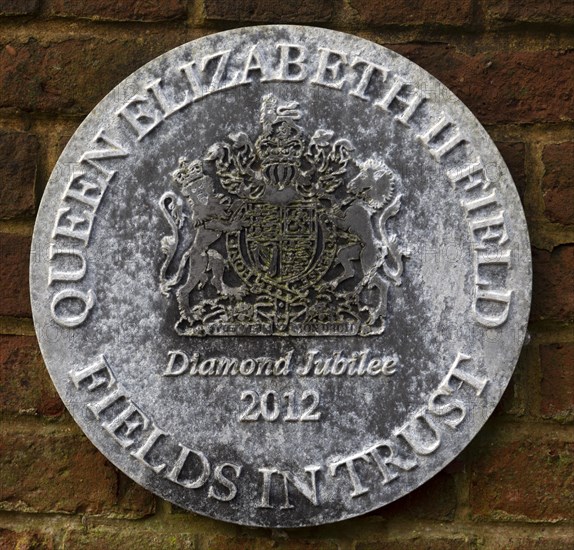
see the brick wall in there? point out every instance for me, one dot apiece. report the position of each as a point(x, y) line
point(510, 61)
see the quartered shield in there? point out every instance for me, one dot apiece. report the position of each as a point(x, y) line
point(283, 249)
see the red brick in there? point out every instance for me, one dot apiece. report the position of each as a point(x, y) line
point(8, 538)
point(299, 544)
point(61, 143)
point(18, 7)
point(72, 75)
point(558, 182)
point(503, 87)
point(223, 542)
point(509, 399)
point(435, 500)
point(14, 263)
point(115, 539)
point(132, 499)
point(277, 11)
point(25, 540)
point(525, 480)
point(523, 387)
point(543, 539)
point(18, 165)
point(553, 284)
point(25, 385)
point(112, 10)
point(513, 155)
point(557, 388)
point(427, 542)
point(63, 473)
point(531, 11)
point(413, 12)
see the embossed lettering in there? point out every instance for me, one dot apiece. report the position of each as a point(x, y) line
point(291, 63)
point(165, 103)
point(70, 307)
point(266, 487)
point(141, 453)
point(367, 75)
point(437, 132)
point(309, 491)
point(480, 202)
point(227, 366)
point(63, 275)
point(486, 223)
point(113, 151)
point(254, 62)
point(270, 406)
point(129, 420)
point(222, 58)
point(349, 462)
point(202, 477)
point(356, 364)
point(494, 226)
point(416, 433)
point(502, 257)
point(409, 103)
point(494, 319)
point(224, 482)
point(178, 358)
point(464, 377)
point(391, 459)
point(140, 115)
point(491, 305)
point(471, 175)
point(180, 363)
point(108, 400)
point(96, 375)
point(194, 79)
point(445, 389)
point(330, 69)
point(72, 225)
point(84, 191)
point(442, 409)
point(217, 82)
point(66, 316)
point(206, 367)
point(420, 432)
point(373, 455)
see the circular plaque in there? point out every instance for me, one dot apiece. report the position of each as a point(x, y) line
point(281, 276)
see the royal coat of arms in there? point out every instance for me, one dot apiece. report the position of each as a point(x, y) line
point(283, 235)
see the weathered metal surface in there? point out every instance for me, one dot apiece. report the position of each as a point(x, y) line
point(280, 276)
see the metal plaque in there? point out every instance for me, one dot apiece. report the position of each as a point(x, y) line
point(280, 276)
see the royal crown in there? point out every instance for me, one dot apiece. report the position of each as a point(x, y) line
point(281, 145)
point(188, 172)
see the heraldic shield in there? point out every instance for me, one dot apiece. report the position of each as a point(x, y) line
point(286, 247)
point(285, 235)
